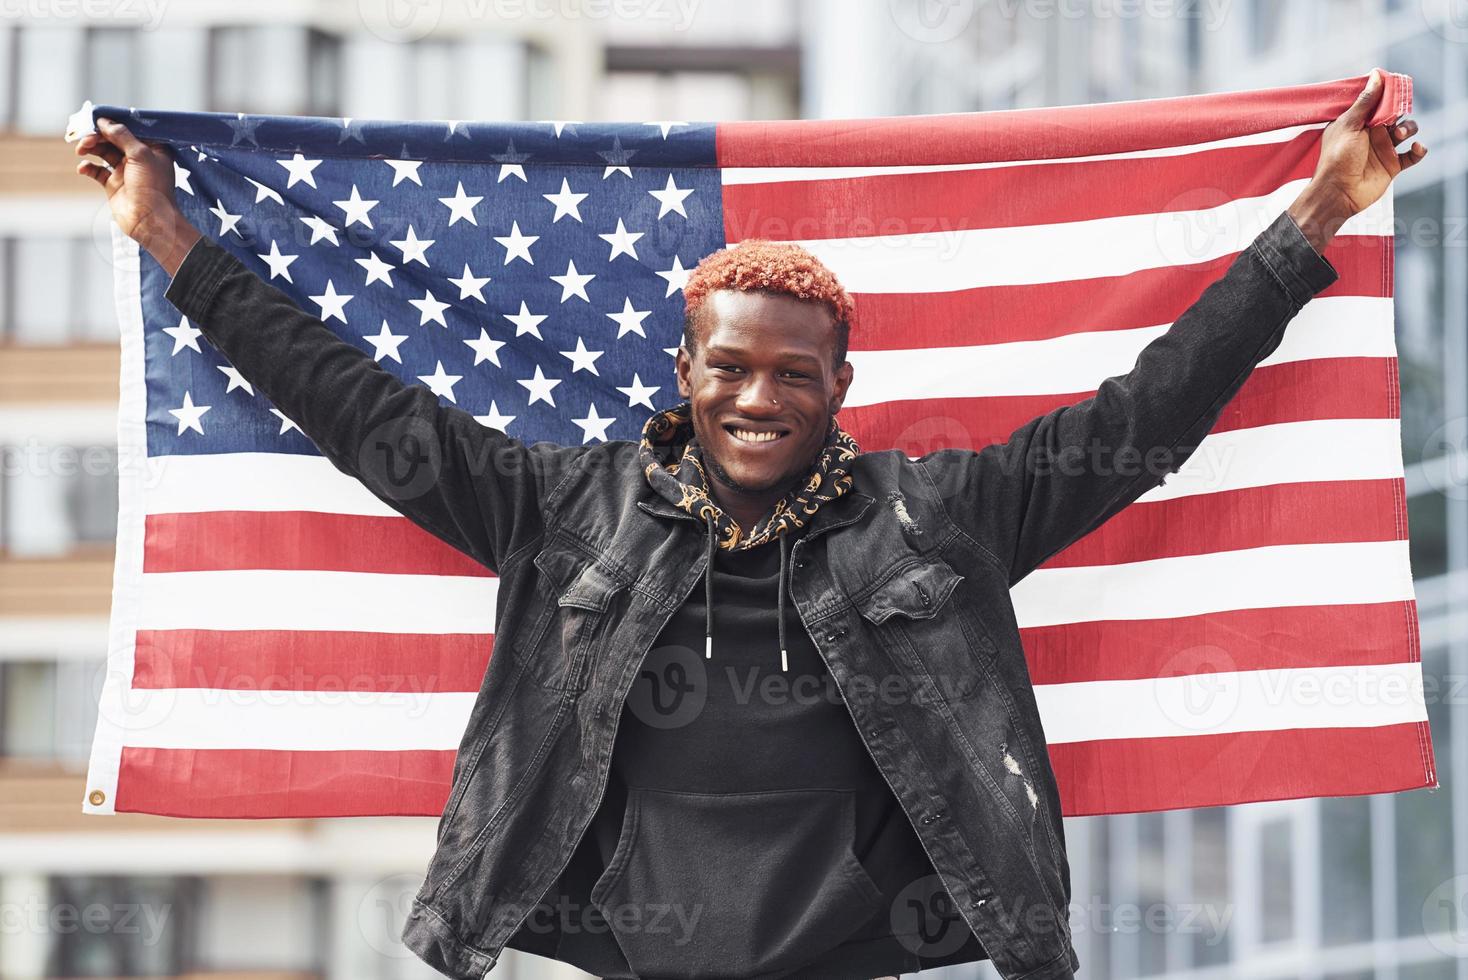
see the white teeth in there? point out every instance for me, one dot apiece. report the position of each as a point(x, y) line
point(744, 435)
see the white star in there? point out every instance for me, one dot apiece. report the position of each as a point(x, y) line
point(485, 348)
point(236, 380)
point(460, 206)
point(414, 249)
point(494, 419)
point(593, 426)
point(540, 388)
point(525, 321)
point(511, 163)
point(286, 424)
point(356, 209)
point(385, 343)
point(377, 269)
point(430, 309)
point(227, 221)
point(455, 128)
point(262, 192)
point(299, 168)
point(665, 125)
point(629, 320)
point(405, 170)
point(332, 303)
point(566, 202)
point(441, 384)
point(561, 124)
point(184, 335)
point(517, 245)
point(622, 241)
point(583, 359)
point(677, 277)
point(638, 393)
point(181, 179)
point(319, 230)
point(189, 414)
point(280, 265)
point(671, 198)
point(470, 285)
point(573, 283)
point(672, 352)
point(617, 159)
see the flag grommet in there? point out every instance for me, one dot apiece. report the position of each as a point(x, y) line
point(96, 797)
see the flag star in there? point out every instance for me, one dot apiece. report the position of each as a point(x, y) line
point(485, 348)
point(181, 179)
point(244, 129)
point(622, 241)
point(455, 128)
point(517, 245)
point(441, 384)
point(593, 426)
point(573, 283)
point(332, 303)
point(227, 222)
point(629, 320)
point(617, 158)
point(566, 202)
point(414, 249)
point(672, 352)
point(583, 359)
point(665, 125)
point(525, 321)
point(356, 209)
point(430, 309)
point(671, 198)
point(561, 124)
point(540, 388)
point(377, 269)
point(494, 419)
point(280, 265)
point(263, 193)
point(510, 162)
point(319, 230)
point(677, 277)
point(470, 285)
point(184, 335)
point(385, 343)
point(351, 130)
point(286, 424)
point(188, 415)
point(299, 169)
point(236, 380)
point(405, 170)
point(460, 206)
point(638, 393)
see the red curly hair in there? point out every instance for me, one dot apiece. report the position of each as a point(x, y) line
point(758, 265)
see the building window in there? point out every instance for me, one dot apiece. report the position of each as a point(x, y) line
point(56, 290)
point(123, 926)
point(48, 709)
point(1276, 881)
point(55, 500)
point(1345, 869)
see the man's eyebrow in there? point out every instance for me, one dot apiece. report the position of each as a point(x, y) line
point(789, 357)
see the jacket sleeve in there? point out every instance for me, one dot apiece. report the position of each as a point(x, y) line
point(1062, 474)
point(466, 483)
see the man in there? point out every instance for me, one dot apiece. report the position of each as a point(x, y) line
point(714, 833)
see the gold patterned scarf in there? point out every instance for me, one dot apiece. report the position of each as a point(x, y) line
point(678, 475)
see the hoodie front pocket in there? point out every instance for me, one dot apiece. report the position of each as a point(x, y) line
point(734, 884)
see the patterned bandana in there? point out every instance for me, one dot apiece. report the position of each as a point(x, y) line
point(684, 483)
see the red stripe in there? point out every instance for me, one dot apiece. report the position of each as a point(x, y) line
point(268, 783)
point(1238, 639)
point(1143, 774)
point(1296, 391)
point(1024, 194)
point(214, 541)
point(310, 660)
point(1065, 131)
point(1149, 297)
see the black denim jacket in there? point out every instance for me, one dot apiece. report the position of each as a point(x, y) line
point(909, 572)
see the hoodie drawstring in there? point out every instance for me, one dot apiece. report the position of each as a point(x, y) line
point(708, 598)
point(780, 586)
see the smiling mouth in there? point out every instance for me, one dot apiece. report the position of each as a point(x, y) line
point(753, 437)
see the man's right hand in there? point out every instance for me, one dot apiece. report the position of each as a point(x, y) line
point(139, 189)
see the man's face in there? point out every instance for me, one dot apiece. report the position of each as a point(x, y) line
point(763, 386)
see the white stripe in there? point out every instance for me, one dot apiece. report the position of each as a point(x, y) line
point(256, 599)
point(309, 720)
point(1347, 696)
point(767, 175)
point(943, 261)
point(1331, 326)
point(255, 481)
point(1192, 585)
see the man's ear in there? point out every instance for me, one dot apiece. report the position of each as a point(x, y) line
point(844, 375)
point(683, 368)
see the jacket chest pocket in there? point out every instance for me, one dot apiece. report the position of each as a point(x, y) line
point(920, 610)
point(579, 610)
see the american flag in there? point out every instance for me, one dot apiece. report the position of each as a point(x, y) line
point(284, 644)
